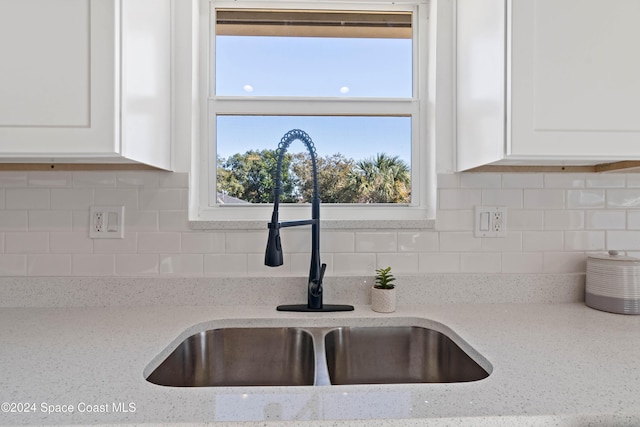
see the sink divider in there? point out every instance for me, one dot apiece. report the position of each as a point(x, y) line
point(322, 369)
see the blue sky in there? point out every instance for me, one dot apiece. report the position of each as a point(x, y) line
point(308, 66)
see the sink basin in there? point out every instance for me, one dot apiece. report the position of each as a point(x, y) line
point(392, 355)
point(321, 356)
point(240, 357)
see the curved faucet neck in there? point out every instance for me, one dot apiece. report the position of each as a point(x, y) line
point(285, 142)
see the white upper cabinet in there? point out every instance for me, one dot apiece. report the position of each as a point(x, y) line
point(85, 80)
point(543, 82)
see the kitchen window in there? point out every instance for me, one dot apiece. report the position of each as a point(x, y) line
point(351, 75)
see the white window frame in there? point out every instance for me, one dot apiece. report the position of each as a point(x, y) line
point(204, 214)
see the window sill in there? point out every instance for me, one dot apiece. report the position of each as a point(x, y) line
point(413, 224)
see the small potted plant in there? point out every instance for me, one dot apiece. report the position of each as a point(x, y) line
point(383, 293)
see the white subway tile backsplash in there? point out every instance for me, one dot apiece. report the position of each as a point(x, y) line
point(203, 242)
point(564, 262)
point(161, 199)
point(49, 220)
point(402, 263)
point(519, 219)
point(533, 241)
point(522, 262)
point(14, 220)
point(13, 179)
point(225, 264)
point(563, 220)
point(522, 180)
point(135, 220)
point(623, 199)
point(248, 242)
point(480, 263)
point(293, 240)
point(633, 180)
point(27, 198)
point(118, 197)
point(459, 199)
point(26, 242)
point(376, 242)
point(606, 181)
point(174, 221)
point(49, 265)
point(354, 263)
point(94, 179)
point(93, 265)
point(127, 245)
point(454, 220)
point(447, 180)
point(337, 241)
point(160, 242)
point(633, 220)
point(553, 221)
point(607, 220)
point(544, 199)
point(418, 241)
point(181, 264)
point(585, 199)
point(512, 242)
point(439, 262)
point(455, 241)
point(480, 180)
point(80, 219)
point(502, 197)
point(138, 179)
point(137, 264)
point(564, 180)
point(72, 198)
point(13, 265)
point(623, 240)
point(584, 240)
point(72, 242)
point(173, 180)
point(49, 179)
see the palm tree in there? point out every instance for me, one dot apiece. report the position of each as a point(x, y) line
point(382, 179)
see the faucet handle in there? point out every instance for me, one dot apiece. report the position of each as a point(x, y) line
point(323, 267)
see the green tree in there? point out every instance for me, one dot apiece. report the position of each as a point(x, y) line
point(333, 176)
point(250, 176)
point(381, 179)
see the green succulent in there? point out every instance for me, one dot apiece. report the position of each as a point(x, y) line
point(384, 279)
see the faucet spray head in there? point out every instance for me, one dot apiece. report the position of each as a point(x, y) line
point(273, 254)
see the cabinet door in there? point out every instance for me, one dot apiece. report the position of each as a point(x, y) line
point(57, 77)
point(480, 82)
point(575, 85)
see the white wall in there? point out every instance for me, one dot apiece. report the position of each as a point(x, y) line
point(553, 221)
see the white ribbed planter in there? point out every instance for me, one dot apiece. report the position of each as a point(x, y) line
point(383, 300)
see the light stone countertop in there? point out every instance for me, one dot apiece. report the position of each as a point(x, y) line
point(551, 364)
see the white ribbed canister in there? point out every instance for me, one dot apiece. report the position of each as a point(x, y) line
point(613, 283)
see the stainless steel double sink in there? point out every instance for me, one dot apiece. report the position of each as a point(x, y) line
point(297, 356)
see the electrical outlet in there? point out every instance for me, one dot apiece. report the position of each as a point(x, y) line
point(490, 221)
point(106, 222)
point(497, 223)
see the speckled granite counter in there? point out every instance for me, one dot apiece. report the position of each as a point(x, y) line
point(552, 364)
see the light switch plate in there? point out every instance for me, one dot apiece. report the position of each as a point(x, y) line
point(106, 222)
point(490, 221)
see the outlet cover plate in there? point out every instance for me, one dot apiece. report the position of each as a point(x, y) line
point(106, 222)
point(490, 221)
